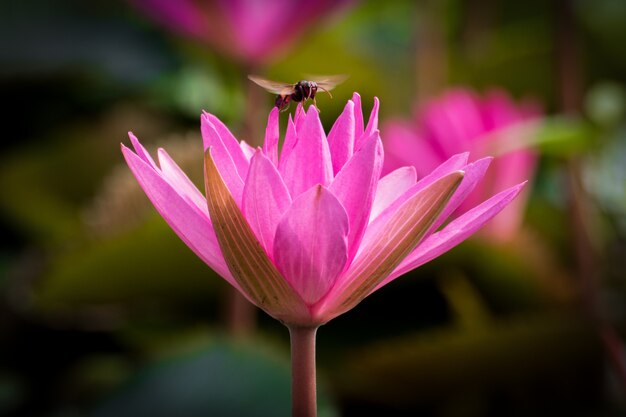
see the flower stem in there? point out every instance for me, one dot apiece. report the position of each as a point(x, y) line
point(303, 383)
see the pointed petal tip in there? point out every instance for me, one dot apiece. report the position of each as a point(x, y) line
point(258, 153)
point(133, 139)
point(129, 153)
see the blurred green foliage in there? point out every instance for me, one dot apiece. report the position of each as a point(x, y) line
point(175, 387)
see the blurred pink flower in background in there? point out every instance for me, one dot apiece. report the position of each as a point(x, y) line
point(308, 234)
point(252, 31)
point(461, 121)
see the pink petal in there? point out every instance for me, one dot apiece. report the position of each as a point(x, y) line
point(453, 164)
point(270, 145)
point(300, 116)
point(141, 151)
point(309, 162)
point(179, 181)
point(390, 187)
point(404, 147)
point(185, 219)
point(341, 137)
point(265, 199)
point(358, 116)
point(248, 262)
point(310, 248)
point(247, 150)
point(511, 169)
point(372, 125)
point(455, 232)
point(453, 121)
point(474, 172)
point(355, 185)
point(500, 111)
point(400, 236)
point(291, 138)
point(223, 158)
point(230, 143)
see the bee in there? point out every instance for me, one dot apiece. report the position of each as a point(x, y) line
point(300, 91)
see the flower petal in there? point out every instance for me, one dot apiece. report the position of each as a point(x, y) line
point(401, 235)
point(341, 137)
point(372, 125)
point(250, 266)
point(291, 138)
point(355, 185)
point(455, 232)
point(223, 158)
point(453, 121)
point(189, 224)
point(405, 147)
point(231, 144)
point(270, 144)
point(141, 151)
point(310, 248)
point(300, 116)
point(309, 162)
point(172, 173)
point(508, 170)
point(358, 116)
point(391, 187)
point(265, 199)
point(455, 163)
point(474, 172)
point(248, 150)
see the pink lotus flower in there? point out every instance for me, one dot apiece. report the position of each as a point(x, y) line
point(308, 234)
point(249, 30)
point(460, 121)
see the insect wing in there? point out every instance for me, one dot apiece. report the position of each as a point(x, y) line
point(328, 82)
point(282, 89)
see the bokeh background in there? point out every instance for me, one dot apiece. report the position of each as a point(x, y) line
point(104, 312)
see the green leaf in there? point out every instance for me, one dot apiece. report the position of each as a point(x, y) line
point(563, 136)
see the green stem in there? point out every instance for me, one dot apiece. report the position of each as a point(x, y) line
point(303, 382)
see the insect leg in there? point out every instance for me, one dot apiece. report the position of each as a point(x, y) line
point(325, 90)
point(285, 104)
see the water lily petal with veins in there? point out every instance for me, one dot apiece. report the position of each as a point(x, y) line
point(308, 233)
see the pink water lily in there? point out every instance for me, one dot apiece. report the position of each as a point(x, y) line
point(462, 121)
point(307, 234)
point(250, 30)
